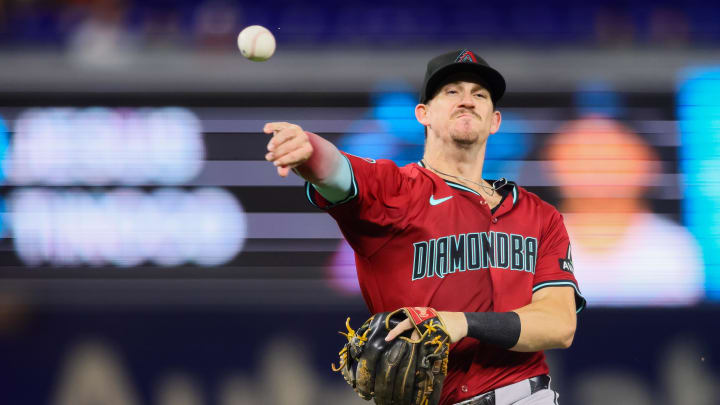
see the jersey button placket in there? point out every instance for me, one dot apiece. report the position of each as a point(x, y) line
point(464, 388)
point(494, 220)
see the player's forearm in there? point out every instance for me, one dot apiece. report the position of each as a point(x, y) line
point(545, 324)
point(548, 322)
point(324, 162)
point(525, 330)
point(498, 328)
point(327, 170)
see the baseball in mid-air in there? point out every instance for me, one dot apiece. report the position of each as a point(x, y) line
point(256, 43)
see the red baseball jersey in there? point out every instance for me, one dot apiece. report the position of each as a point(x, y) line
point(420, 240)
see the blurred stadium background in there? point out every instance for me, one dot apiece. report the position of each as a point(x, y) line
point(150, 256)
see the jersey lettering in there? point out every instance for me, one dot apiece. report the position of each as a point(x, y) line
point(457, 253)
point(420, 260)
point(441, 259)
point(566, 263)
point(488, 249)
point(473, 251)
point(502, 244)
point(516, 252)
point(431, 262)
point(531, 246)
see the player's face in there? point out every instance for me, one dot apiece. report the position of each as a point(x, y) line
point(461, 111)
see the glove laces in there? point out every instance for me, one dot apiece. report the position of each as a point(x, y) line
point(350, 335)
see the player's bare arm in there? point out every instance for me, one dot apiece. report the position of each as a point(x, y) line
point(548, 322)
point(311, 157)
point(314, 158)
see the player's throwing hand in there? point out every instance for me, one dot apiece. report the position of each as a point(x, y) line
point(289, 146)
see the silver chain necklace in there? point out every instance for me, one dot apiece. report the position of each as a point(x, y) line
point(492, 188)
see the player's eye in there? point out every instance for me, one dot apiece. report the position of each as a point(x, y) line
point(480, 95)
point(451, 91)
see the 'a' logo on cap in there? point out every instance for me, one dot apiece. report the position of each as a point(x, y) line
point(466, 56)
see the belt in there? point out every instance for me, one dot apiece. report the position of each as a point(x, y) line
point(538, 383)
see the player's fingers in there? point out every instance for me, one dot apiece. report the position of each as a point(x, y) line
point(295, 157)
point(289, 146)
point(398, 330)
point(283, 171)
point(271, 127)
point(284, 135)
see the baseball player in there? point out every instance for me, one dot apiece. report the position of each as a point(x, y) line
point(493, 258)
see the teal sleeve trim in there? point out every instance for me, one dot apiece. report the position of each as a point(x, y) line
point(580, 301)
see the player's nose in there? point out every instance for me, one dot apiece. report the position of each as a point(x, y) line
point(467, 100)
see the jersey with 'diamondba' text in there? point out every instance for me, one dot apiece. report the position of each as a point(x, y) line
point(420, 240)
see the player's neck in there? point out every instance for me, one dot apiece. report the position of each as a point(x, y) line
point(454, 161)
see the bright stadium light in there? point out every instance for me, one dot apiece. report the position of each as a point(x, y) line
point(126, 227)
point(101, 146)
point(699, 155)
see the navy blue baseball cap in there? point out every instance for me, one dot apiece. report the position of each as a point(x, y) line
point(442, 67)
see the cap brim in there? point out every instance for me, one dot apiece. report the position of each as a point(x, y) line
point(489, 77)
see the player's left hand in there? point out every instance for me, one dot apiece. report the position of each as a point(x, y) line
point(455, 323)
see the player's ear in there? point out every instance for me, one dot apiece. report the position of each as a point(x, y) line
point(495, 121)
point(421, 114)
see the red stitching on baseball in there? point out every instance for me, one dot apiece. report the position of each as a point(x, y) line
point(254, 42)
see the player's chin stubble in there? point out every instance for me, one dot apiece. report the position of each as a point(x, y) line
point(464, 134)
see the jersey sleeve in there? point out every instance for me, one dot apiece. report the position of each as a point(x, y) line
point(554, 264)
point(376, 208)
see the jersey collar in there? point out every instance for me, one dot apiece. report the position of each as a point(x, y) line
point(509, 187)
